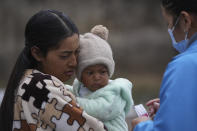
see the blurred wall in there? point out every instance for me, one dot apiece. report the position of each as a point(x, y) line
point(138, 36)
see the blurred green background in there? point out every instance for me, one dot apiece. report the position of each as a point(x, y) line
point(137, 34)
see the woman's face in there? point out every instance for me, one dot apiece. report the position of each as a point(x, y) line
point(61, 62)
point(178, 32)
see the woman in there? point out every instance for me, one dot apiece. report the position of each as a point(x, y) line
point(178, 107)
point(36, 98)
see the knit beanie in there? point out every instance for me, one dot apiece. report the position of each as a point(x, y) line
point(94, 49)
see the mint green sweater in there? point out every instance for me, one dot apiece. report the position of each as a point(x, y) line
point(109, 104)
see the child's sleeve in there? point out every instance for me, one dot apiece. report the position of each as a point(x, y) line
point(104, 107)
point(108, 102)
point(124, 86)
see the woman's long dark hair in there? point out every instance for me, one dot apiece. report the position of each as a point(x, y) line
point(44, 30)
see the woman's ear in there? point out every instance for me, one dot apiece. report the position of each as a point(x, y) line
point(186, 21)
point(36, 53)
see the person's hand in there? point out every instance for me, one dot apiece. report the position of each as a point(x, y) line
point(138, 120)
point(153, 106)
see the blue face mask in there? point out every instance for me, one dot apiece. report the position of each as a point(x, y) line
point(179, 46)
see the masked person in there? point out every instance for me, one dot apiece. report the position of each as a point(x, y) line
point(177, 107)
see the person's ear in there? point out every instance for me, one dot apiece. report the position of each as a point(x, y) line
point(186, 21)
point(36, 53)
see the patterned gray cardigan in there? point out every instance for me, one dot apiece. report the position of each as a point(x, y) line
point(43, 103)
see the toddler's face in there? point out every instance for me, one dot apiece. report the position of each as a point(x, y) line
point(95, 77)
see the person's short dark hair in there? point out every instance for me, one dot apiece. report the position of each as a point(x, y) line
point(176, 6)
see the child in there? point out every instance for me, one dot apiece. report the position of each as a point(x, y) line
point(107, 100)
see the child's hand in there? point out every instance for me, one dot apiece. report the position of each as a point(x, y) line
point(153, 106)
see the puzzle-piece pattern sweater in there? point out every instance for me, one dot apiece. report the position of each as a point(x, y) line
point(43, 103)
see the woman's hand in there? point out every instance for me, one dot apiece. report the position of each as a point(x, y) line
point(138, 120)
point(153, 106)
